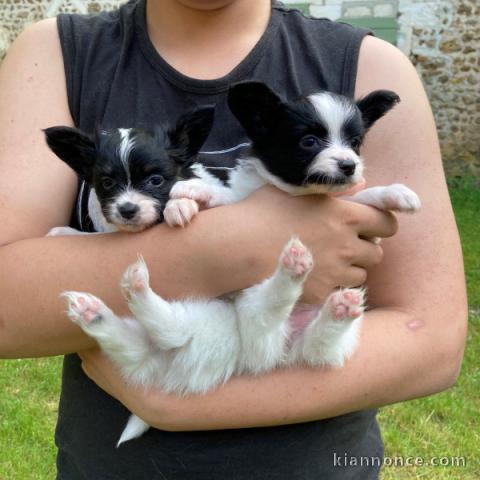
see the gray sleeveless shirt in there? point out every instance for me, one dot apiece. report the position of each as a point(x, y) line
point(116, 78)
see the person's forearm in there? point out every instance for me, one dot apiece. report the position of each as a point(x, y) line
point(394, 362)
point(182, 263)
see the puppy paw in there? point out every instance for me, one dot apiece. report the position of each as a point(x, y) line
point(180, 211)
point(296, 259)
point(346, 304)
point(192, 189)
point(84, 309)
point(399, 198)
point(135, 280)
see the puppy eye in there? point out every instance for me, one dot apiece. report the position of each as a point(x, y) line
point(355, 142)
point(156, 180)
point(107, 183)
point(309, 141)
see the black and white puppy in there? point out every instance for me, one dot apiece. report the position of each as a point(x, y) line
point(130, 171)
point(310, 145)
point(307, 146)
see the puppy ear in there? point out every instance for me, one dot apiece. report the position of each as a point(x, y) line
point(255, 106)
point(75, 148)
point(376, 104)
point(191, 132)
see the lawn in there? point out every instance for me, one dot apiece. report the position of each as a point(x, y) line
point(443, 426)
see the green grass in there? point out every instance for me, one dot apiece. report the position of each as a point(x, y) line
point(444, 425)
point(447, 424)
point(28, 409)
point(465, 197)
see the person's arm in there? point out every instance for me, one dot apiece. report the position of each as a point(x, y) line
point(37, 192)
point(413, 338)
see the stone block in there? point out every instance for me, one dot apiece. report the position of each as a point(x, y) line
point(384, 10)
point(332, 12)
point(357, 11)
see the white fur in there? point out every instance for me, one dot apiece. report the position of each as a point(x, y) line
point(333, 113)
point(395, 197)
point(326, 163)
point(125, 148)
point(192, 346)
point(146, 216)
point(95, 213)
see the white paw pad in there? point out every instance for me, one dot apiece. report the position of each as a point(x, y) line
point(296, 259)
point(83, 308)
point(180, 211)
point(400, 198)
point(346, 304)
point(135, 280)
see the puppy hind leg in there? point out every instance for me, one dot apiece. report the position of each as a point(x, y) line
point(161, 319)
point(123, 340)
point(395, 197)
point(332, 336)
point(264, 309)
point(269, 303)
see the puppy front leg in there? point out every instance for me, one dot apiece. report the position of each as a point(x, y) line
point(187, 195)
point(179, 212)
point(67, 231)
point(163, 321)
point(395, 197)
point(264, 309)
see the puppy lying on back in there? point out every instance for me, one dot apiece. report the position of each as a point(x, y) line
point(130, 171)
point(191, 346)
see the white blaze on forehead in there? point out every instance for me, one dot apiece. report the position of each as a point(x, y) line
point(333, 113)
point(125, 148)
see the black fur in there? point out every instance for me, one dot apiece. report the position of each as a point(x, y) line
point(281, 131)
point(375, 105)
point(157, 160)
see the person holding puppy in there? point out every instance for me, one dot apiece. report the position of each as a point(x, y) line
point(151, 60)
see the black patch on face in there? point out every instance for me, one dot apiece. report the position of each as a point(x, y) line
point(284, 150)
point(148, 169)
point(353, 132)
point(287, 136)
point(156, 160)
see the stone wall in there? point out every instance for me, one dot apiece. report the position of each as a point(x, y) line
point(15, 15)
point(442, 38)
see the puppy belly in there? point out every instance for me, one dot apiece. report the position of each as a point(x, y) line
point(301, 317)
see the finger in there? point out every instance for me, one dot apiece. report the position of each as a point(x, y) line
point(371, 222)
point(367, 254)
point(354, 277)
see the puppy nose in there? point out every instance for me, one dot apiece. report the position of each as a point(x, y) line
point(128, 210)
point(347, 167)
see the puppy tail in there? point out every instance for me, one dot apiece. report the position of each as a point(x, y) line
point(134, 429)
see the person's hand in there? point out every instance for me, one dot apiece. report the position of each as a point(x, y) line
point(157, 408)
point(336, 231)
point(108, 377)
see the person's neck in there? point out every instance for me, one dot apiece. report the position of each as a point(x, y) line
point(206, 43)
